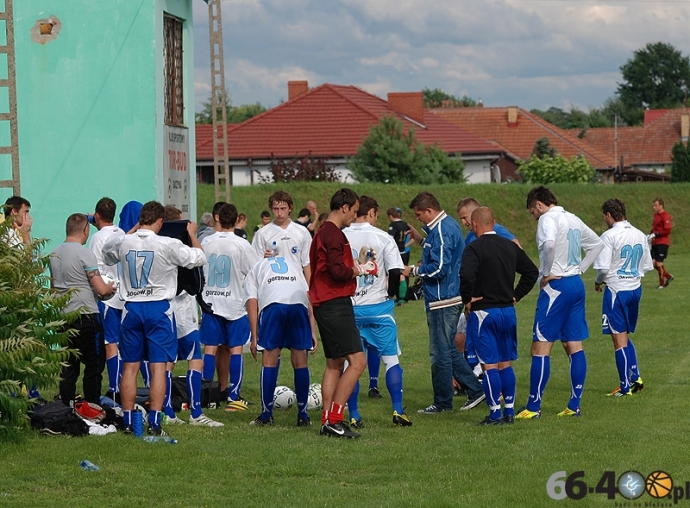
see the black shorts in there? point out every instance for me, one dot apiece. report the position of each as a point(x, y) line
point(659, 253)
point(337, 327)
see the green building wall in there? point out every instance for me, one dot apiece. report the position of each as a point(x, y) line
point(91, 106)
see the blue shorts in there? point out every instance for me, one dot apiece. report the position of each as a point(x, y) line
point(493, 333)
point(112, 319)
point(189, 347)
point(148, 332)
point(218, 331)
point(377, 327)
point(619, 310)
point(560, 311)
point(283, 326)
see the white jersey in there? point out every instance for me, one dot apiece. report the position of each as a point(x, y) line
point(98, 240)
point(626, 256)
point(229, 260)
point(277, 280)
point(570, 235)
point(186, 314)
point(149, 264)
point(371, 289)
point(293, 242)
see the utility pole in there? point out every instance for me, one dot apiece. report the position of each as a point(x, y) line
point(11, 84)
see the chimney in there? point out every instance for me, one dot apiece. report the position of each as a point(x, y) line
point(684, 127)
point(410, 104)
point(297, 88)
point(512, 115)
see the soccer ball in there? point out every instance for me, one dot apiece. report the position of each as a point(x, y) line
point(315, 400)
point(283, 398)
point(108, 279)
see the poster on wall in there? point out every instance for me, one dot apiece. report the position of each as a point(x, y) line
point(176, 173)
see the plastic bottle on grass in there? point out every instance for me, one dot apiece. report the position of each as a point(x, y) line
point(87, 465)
point(160, 439)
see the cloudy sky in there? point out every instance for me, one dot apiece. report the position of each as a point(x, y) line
point(530, 53)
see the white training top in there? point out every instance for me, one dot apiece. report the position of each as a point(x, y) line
point(98, 240)
point(149, 264)
point(370, 289)
point(186, 314)
point(277, 280)
point(626, 256)
point(293, 242)
point(570, 236)
point(230, 258)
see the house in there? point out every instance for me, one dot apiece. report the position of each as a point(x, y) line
point(104, 105)
point(644, 152)
point(329, 122)
point(516, 130)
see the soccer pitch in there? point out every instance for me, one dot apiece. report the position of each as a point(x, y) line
point(442, 460)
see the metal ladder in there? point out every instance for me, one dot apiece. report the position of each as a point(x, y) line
point(221, 166)
point(11, 84)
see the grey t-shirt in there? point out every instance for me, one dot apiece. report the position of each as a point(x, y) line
point(69, 263)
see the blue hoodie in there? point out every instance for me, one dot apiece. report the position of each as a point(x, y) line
point(129, 215)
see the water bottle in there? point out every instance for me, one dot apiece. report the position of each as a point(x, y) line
point(87, 465)
point(160, 439)
point(369, 279)
point(137, 423)
point(274, 249)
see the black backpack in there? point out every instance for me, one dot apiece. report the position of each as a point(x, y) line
point(210, 393)
point(56, 418)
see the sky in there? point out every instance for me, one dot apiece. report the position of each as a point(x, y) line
point(527, 53)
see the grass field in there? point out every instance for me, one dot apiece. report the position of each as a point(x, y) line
point(442, 460)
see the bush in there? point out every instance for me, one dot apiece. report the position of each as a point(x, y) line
point(556, 169)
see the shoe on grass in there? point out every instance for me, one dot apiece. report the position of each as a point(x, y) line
point(260, 422)
point(357, 424)
point(172, 421)
point(489, 421)
point(303, 421)
point(204, 421)
point(374, 393)
point(525, 414)
point(236, 405)
point(339, 429)
point(433, 409)
point(569, 412)
point(472, 403)
point(401, 419)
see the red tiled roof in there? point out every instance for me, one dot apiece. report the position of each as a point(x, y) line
point(518, 139)
point(329, 121)
point(650, 144)
point(652, 114)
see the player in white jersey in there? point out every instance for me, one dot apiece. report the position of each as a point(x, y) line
point(229, 260)
point(278, 309)
point(560, 314)
point(110, 310)
point(374, 302)
point(621, 265)
point(282, 237)
point(147, 284)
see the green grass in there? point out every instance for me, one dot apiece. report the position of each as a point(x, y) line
point(442, 460)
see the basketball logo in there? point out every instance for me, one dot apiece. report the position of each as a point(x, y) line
point(659, 484)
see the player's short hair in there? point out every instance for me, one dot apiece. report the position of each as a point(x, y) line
point(15, 203)
point(280, 197)
point(542, 194)
point(171, 213)
point(465, 202)
point(76, 223)
point(106, 209)
point(303, 213)
point(658, 200)
point(241, 216)
point(217, 207)
point(393, 212)
point(227, 216)
point(150, 213)
point(343, 197)
point(615, 207)
point(323, 217)
point(206, 217)
point(366, 203)
point(425, 200)
point(265, 213)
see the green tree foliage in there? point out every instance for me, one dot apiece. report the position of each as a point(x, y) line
point(232, 114)
point(391, 155)
point(542, 148)
point(656, 77)
point(557, 169)
point(32, 336)
point(680, 163)
point(299, 169)
point(437, 98)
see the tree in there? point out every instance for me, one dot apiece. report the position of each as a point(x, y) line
point(656, 77)
point(232, 114)
point(557, 169)
point(244, 112)
point(391, 155)
point(32, 333)
point(542, 148)
point(437, 98)
point(680, 163)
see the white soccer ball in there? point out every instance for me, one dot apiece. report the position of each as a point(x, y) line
point(283, 398)
point(315, 399)
point(108, 279)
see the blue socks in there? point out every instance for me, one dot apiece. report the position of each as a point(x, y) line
point(632, 361)
point(167, 402)
point(302, 390)
point(114, 365)
point(578, 372)
point(269, 377)
point(209, 367)
point(194, 391)
point(492, 390)
point(373, 366)
point(508, 384)
point(538, 377)
point(395, 386)
point(236, 367)
point(155, 419)
point(352, 403)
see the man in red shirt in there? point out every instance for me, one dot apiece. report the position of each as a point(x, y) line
point(661, 239)
point(332, 284)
